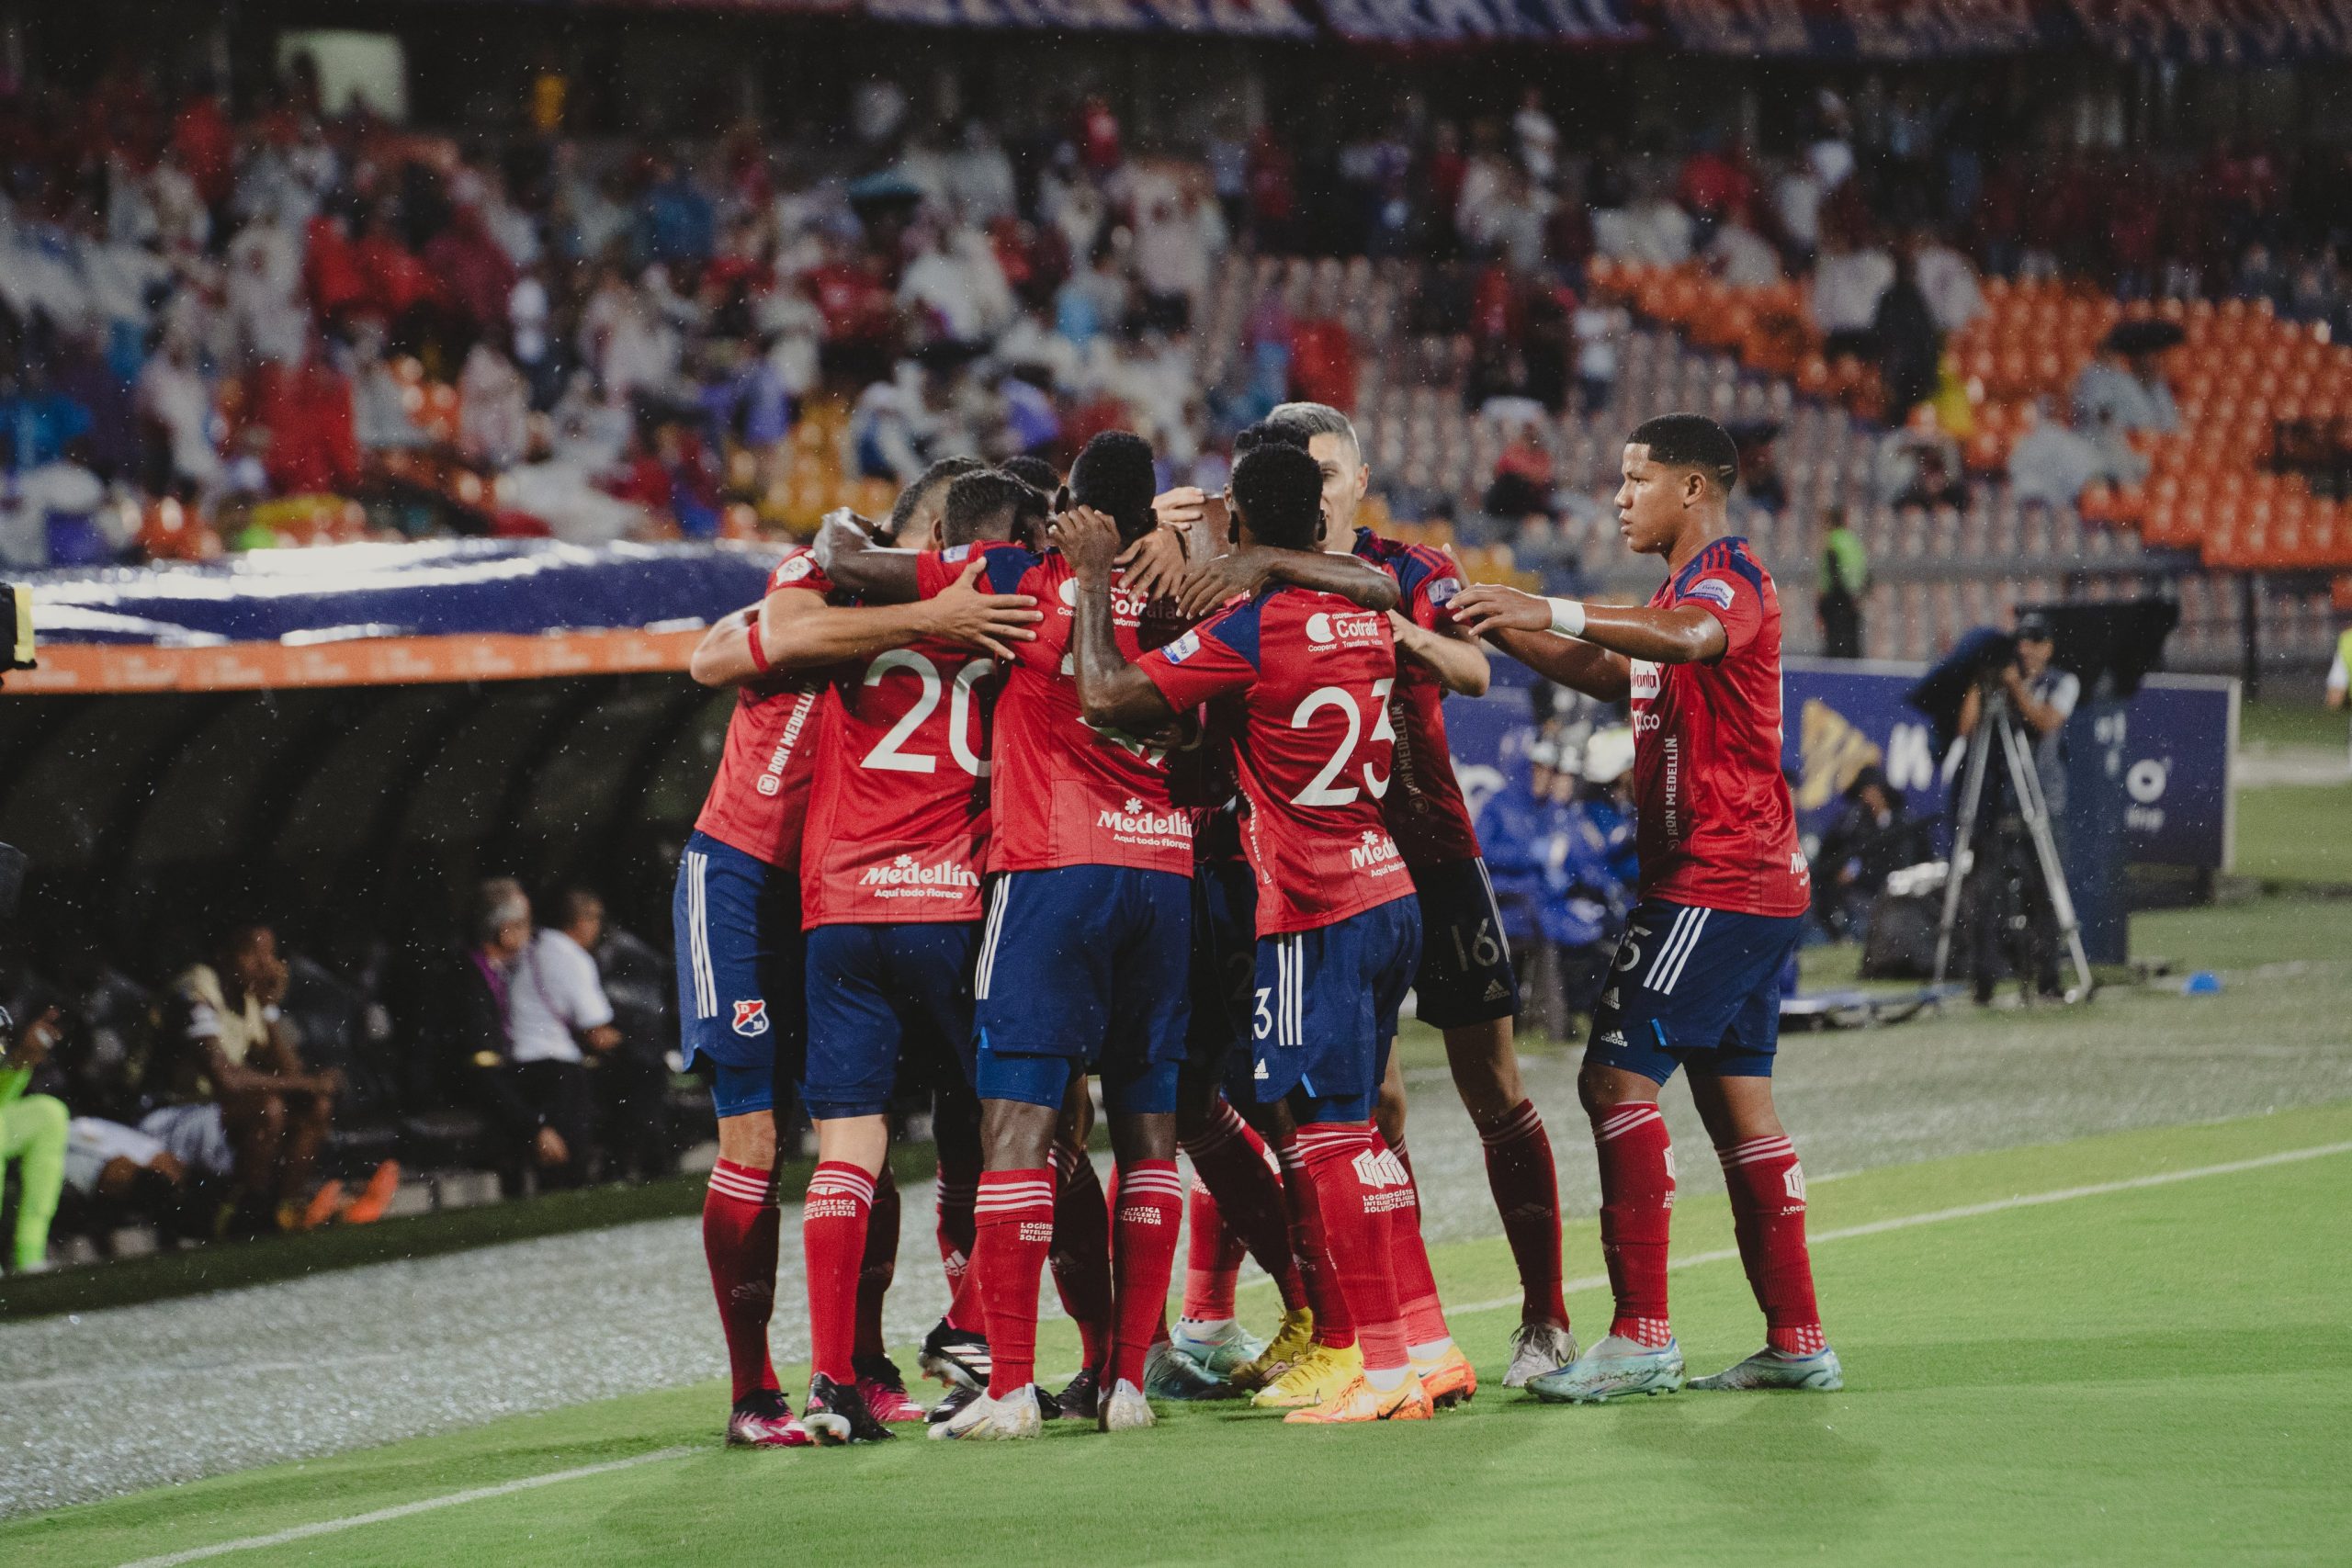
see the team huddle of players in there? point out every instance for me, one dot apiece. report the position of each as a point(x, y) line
point(1045, 780)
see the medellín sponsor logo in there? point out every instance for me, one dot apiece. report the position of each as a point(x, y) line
point(1344, 628)
point(1133, 817)
point(1377, 848)
point(1713, 589)
point(907, 873)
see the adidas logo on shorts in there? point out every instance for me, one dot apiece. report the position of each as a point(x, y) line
point(1495, 991)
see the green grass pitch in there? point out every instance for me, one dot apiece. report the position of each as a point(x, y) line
point(2155, 1372)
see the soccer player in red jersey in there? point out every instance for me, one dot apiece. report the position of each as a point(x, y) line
point(1725, 887)
point(736, 913)
point(1339, 929)
point(1083, 958)
point(897, 834)
point(1465, 987)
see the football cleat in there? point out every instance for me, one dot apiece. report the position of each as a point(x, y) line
point(1217, 1347)
point(1612, 1368)
point(837, 1414)
point(1080, 1397)
point(989, 1420)
point(884, 1389)
point(1778, 1369)
point(1169, 1373)
point(956, 1356)
point(1290, 1342)
point(1537, 1349)
point(1361, 1402)
point(1123, 1409)
point(1449, 1379)
point(763, 1420)
point(958, 1397)
point(1320, 1375)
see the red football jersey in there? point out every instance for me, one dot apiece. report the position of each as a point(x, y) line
point(1713, 821)
point(1425, 808)
point(760, 795)
point(898, 816)
point(1075, 794)
point(1314, 674)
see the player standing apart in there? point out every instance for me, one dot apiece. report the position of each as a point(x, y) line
point(1339, 929)
point(1696, 980)
point(737, 917)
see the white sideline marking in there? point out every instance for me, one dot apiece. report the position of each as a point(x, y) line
point(1966, 1212)
point(426, 1505)
point(1688, 1260)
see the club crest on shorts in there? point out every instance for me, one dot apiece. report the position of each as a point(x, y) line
point(752, 1017)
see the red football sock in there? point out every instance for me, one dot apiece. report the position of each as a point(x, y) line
point(1334, 1329)
point(1081, 1253)
point(1358, 1189)
point(958, 1187)
point(1526, 1195)
point(738, 1240)
point(1768, 1213)
point(1417, 1300)
point(832, 1233)
point(1150, 1211)
point(1213, 1255)
point(1013, 1219)
point(1636, 1206)
point(1247, 1186)
point(879, 1265)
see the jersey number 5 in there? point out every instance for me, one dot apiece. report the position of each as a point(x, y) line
point(888, 753)
point(1322, 791)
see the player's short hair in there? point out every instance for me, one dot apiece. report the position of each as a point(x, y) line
point(1312, 420)
point(1114, 475)
point(1278, 490)
point(1268, 433)
point(976, 501)
point(944, 471)
point(1690, 441)
point(1035, 472)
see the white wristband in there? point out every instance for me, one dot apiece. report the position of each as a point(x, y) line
point(1567, 616)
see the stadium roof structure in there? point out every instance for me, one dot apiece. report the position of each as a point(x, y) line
point(381, 615)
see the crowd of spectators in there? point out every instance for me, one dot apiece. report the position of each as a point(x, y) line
point(291, 325)
point(259, 1093)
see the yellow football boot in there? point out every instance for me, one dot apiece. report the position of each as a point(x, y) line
point(1318, 1376)
point(1291, 1341)
point(1361, 1402)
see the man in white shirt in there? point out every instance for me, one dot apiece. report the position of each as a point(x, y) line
point(557, 1006)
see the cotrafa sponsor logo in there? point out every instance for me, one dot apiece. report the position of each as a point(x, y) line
point(907, 871)
point(1132, 817)
point(1344, 629)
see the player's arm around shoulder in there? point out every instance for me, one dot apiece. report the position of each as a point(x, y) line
point(1523, 627)
point(1111, 692)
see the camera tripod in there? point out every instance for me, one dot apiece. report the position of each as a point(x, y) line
point(1996, 721)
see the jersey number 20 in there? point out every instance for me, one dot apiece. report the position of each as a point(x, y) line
point(888, 753)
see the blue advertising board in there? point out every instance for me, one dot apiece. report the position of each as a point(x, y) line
point(2169, 748)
